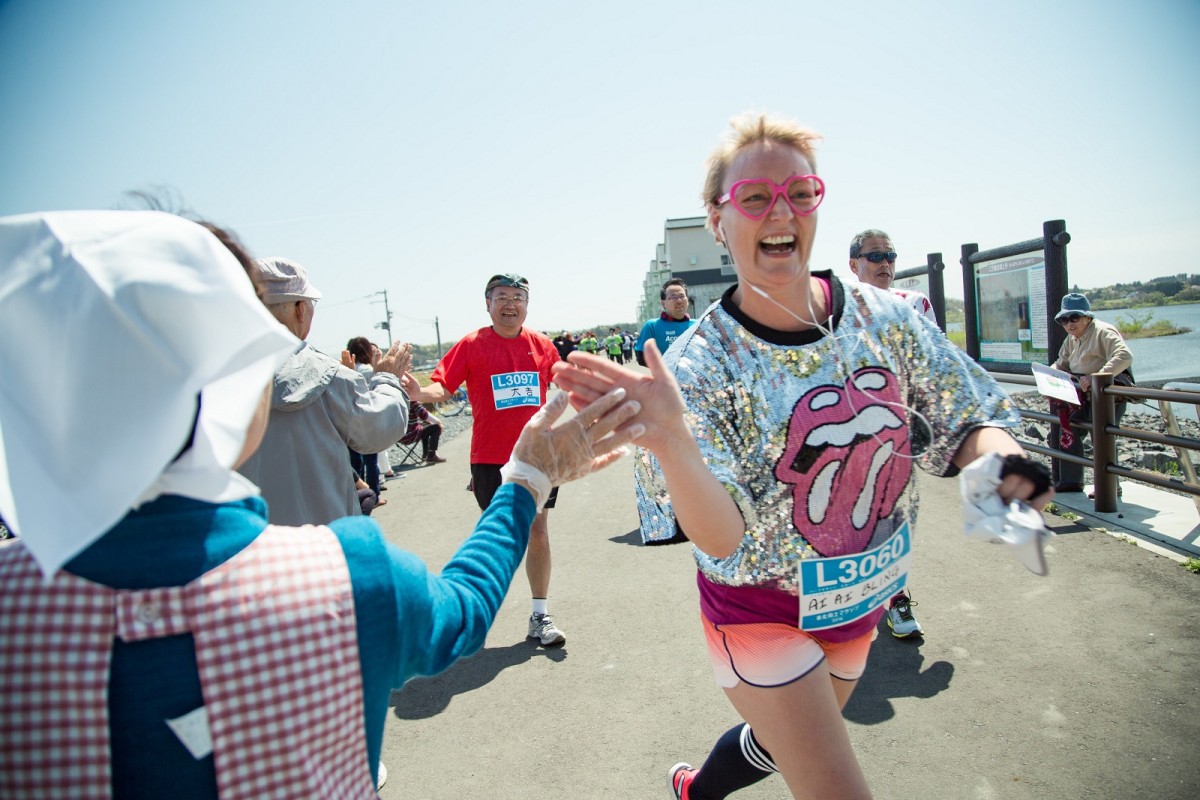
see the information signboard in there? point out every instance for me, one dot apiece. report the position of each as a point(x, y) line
point(1012, 320)
point(916, 283)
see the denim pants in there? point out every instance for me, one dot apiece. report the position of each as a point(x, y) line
point(366, 465)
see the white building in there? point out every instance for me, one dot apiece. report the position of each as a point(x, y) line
point(690, 252)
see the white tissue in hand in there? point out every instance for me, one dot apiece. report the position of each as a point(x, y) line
point(986, 517)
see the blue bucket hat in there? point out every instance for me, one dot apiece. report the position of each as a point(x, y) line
point(1074, 303)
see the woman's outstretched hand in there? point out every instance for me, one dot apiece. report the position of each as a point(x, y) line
point(699, 502)
point(586, 377)
point(589, 441)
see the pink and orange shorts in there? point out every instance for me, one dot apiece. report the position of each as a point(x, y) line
point(775, 654)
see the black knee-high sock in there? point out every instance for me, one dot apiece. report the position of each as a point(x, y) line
point(736, 761)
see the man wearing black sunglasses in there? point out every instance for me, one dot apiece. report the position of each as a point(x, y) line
point(873, 261)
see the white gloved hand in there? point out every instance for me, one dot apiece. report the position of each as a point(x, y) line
point(546, 456)
point(987, 518)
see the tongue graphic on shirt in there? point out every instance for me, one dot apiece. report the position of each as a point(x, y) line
point(847, 458)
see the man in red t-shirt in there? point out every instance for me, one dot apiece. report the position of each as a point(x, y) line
point(506, 368)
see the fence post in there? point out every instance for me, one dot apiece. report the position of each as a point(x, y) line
point(1104, 446)
point(1056, 238)
point(937, 287)
point(970, 309)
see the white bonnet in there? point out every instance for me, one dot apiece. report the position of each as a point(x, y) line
point(112, 323)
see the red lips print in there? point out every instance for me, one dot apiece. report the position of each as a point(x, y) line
point(848, 457)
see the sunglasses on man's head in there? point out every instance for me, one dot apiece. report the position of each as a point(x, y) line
point(1069, 318)
point(876, 258)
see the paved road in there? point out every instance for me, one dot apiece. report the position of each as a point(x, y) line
point(1079, 685)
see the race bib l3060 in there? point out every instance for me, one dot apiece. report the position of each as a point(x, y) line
point(841, 589)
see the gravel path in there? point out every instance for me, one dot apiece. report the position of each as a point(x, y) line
point(453, 426)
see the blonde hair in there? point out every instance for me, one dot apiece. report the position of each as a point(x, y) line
point(749, 129)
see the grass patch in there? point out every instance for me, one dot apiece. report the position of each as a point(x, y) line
point(1059, 511)
point(1192, 565)
point(1143, 326)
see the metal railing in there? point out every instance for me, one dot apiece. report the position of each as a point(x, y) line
point(1105, 432)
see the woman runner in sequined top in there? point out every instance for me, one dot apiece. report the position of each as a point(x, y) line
point(781, 436)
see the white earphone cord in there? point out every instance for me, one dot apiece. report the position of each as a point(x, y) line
point(844, 358)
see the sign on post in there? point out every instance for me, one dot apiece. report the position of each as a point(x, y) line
point(915, 283)
point(1010, 296)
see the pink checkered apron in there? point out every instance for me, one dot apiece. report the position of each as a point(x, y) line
point(276, 651)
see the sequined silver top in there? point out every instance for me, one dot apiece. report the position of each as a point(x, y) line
point(814, 436)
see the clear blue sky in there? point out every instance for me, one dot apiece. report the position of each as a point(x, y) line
point(420, 147)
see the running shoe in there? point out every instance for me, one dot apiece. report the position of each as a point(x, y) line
point(542, 628)
point(680, 779)
point(900, 618)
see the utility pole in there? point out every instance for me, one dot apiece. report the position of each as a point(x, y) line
point(387, 317)
point(438, 333)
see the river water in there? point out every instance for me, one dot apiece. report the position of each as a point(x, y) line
point(1160, 358)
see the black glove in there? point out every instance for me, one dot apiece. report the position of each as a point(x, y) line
point(1033, 471)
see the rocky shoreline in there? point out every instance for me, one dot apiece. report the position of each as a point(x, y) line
point(1131, 453)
